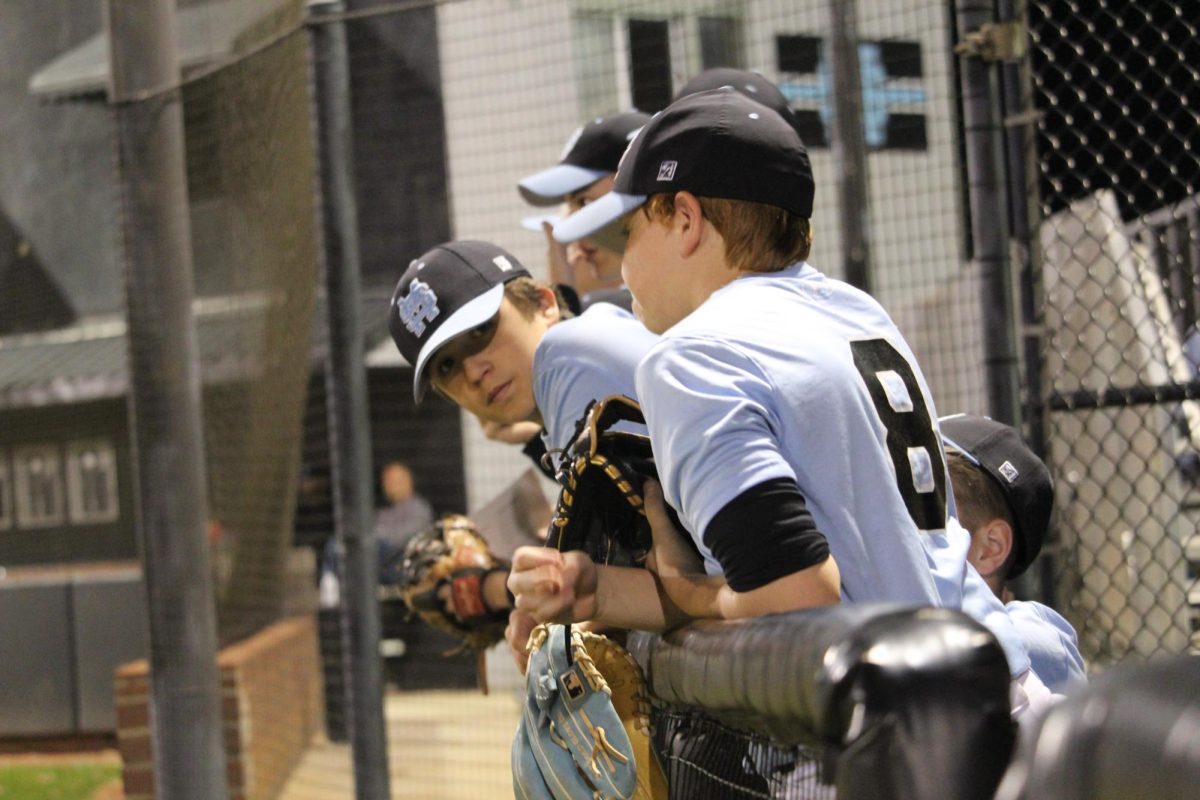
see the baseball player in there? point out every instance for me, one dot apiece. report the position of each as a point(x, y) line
point(1004, 497)
point(478, 329)
point(583, 173)
point(793, 430)
point(587, 268)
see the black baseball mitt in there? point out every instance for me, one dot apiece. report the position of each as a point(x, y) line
point(600, 509)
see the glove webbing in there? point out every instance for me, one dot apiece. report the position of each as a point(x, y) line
point(566, 498)
point(583, 455)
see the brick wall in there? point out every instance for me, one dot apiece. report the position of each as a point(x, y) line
point(270, 706)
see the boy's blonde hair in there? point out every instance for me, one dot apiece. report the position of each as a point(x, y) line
point(525, 294)
point(758, 237)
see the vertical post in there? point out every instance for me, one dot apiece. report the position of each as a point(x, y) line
point(346, 395)
point(164, 401)
point(984, 145)
point(850, 144)
point(1017, 95)
point(1023, 210)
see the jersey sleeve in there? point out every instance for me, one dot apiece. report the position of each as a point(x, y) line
point(1052, 643)
point(712, 424)
point(584, 359)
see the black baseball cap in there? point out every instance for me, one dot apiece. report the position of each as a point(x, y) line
point(591, 152)
point(444, 293)
point(751, 84)
point(717, 143)
point(1024, 481)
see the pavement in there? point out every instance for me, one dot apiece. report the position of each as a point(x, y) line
point(442, 745)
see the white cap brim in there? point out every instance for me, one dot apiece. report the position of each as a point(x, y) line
point(551, 185)
point(534, 222)
point(476, 312)
point(596, 215)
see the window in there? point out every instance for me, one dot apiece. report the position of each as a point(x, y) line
point(6, 513)
point(623, 61)
point(39, 495)
point(720, 42)
point(650, 63)
point(92, 481)
point(893, 90)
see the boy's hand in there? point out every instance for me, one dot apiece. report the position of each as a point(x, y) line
point(560, 268)
point(552, 586)
point(511, 433)
point(520, 625)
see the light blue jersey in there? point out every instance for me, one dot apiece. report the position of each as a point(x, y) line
point(1052, 643)
point(796, 376)
point(586, 358)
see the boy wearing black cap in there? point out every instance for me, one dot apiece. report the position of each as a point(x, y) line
point(477, 328)
point(1004, 497)
point(583, 173)
point(792, 428)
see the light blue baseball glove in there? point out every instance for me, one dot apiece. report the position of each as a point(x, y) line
point(584, 730)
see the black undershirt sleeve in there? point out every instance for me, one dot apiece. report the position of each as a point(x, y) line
point(764, 534)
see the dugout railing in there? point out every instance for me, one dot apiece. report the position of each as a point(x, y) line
point(1133, 732)
point(852, 701)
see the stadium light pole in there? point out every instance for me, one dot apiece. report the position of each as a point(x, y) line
point(346, 394)
point(164, 401)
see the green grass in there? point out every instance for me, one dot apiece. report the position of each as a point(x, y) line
point(54, 782)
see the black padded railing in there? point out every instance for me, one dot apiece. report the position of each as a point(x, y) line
point(900, 702)
point(1133, 732)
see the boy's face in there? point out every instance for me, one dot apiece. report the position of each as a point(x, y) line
point(488, 370)
point(595, 267)
point(654, 273)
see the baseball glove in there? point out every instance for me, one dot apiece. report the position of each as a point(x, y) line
point(585, 727)
point(599, 508)
point(442, 581)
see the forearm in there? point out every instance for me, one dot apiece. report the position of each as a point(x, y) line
point(633, 598)
point(818, 585)
point(698, 596)
point(711, 597)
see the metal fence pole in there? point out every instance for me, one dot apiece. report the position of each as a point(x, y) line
point(164, 401)
point(850, 144)
point(984, 146)
point(346, 393)
point(1019, 117)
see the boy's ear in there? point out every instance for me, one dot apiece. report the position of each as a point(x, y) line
point(689, 220)
point(990, 546)
point(548, 304)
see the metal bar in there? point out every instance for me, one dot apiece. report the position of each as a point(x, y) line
point(1192, 217)
point(850, 144)
point(346, 395)
point(1023, 198)
point(1182, 279)
point(1138, 395)
point(983, 144)
point(164, 401)
point(1163, 215)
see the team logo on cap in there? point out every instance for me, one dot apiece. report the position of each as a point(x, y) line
point(1008, 471)
point(419, 308)
point(666, 170)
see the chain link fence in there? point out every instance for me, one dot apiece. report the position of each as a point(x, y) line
point(451, 104)
point(1115, 93)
